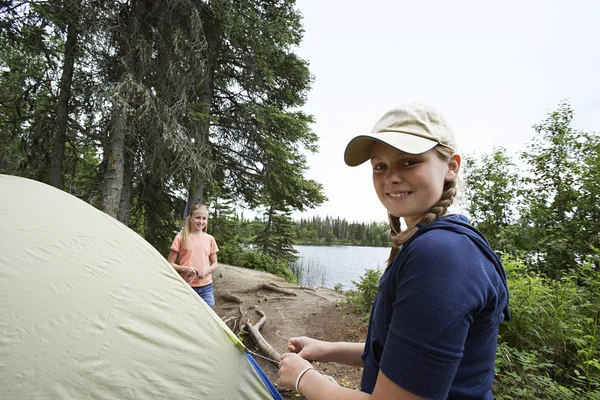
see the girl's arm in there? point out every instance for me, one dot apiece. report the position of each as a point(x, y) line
point(318, 350)
point(345, 353)
point(213, 262)
point(184, 269)
point(314, 386)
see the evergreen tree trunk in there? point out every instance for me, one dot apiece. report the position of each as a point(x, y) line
point(195, 193)
point(125, 202)
point(115, 166)
point(152, 199)
point(115, 153)
point(62, 106)
point(197, 181)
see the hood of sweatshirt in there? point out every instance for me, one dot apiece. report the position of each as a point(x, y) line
point(459, 224)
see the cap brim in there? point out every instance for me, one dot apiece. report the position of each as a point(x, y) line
point(359, 149)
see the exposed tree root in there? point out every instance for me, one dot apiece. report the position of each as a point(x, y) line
point(259, 340)
point(230, 297)
point(276, 298)
point(295, 286)
point(234, 322)
point(271, 287)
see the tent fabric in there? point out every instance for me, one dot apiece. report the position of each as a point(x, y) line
point(90, 310)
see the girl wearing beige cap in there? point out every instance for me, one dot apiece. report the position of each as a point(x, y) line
point(434, 324)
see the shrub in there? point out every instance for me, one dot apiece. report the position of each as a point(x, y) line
point(551, 348)
point(234, 254)
point(362, 298)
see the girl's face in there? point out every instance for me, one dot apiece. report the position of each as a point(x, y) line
point(199, 220)
point(410, 184)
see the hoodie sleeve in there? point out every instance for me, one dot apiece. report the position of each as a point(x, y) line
point(441, 282)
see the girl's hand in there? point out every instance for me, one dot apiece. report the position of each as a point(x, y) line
point(203, 272)
point(189, 271)
point(290, 366)
point(307, 348)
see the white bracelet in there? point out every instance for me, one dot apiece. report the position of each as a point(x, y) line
point(300, 376)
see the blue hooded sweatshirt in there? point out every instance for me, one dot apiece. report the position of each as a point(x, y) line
point(434, 324)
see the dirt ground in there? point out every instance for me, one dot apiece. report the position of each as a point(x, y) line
point(312, 311)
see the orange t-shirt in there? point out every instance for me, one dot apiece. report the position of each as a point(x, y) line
point(199, 248)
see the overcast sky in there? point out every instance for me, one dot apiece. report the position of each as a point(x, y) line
point(492, 69)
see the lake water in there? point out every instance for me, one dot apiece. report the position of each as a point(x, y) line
point(329, 265)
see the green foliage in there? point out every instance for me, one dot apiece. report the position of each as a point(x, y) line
point(587, 213)
point(223, 223)
point(545, 213)
point(178, 87)
point(552, 194)
point(234, 254)
point(276, 237)
point(362, 298)
point(256, 86)
point(551, 348)
point(490, 185)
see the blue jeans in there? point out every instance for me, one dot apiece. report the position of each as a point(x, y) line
point(206, 292)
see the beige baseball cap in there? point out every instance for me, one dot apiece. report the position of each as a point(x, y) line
point(412, 128)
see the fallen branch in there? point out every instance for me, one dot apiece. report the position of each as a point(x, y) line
point(268, 286)
point(295, 287)
point(277, 289)
point(279, 298)
point(230, 297)
point(259, 340)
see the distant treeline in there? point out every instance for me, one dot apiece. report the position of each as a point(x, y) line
point(329, 230)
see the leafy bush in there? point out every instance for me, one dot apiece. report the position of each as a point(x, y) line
point(551, 348)
point(362, 298)
point(234, 254)
point(230, 253)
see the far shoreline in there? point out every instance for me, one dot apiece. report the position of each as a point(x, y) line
point(333, 244)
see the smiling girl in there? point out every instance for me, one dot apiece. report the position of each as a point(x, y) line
point(197, 253)
point(433, 328)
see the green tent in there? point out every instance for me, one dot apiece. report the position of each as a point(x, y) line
point(90, 310)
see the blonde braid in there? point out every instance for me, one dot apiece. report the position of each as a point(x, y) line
point(442, 206)
point(395, 230)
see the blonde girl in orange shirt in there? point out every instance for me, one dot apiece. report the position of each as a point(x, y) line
point(196, 252)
